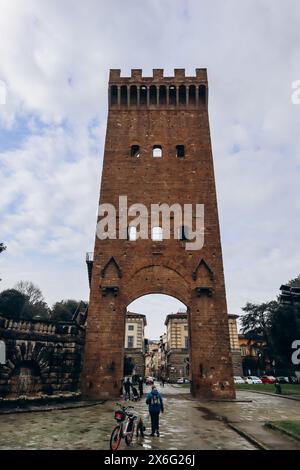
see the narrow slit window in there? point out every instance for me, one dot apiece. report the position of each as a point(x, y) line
point(202, 94)
point(135, 151)
point(172, 95)
point(143, 95)
point(192, 94)
point(153, 95)
point(157, 151)
point(133, 95)
point(182, 95)
point(162, 95)
point(157, 234)
point(180, 151)
point(124, 95)
point(114, 95)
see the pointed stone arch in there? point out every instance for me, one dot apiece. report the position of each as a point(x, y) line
point(203, 265)
point(111, 262)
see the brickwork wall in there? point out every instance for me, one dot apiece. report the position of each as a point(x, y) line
point(144, 266)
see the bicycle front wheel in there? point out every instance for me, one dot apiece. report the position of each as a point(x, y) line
point(115, 438)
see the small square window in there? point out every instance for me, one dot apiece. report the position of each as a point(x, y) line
point(157, 151)
point(135, 151)
point(180, 151)
point(130, 327)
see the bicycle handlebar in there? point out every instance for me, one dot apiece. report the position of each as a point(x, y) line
point(124, 407)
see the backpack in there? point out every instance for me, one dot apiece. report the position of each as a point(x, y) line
point(155, 399)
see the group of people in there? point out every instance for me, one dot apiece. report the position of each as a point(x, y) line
point(130, 388)
point(153, 400)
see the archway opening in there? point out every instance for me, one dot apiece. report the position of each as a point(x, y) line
point(157, 338)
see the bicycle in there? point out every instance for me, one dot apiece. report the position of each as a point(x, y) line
point(125, 427)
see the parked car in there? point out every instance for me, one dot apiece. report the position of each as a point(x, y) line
point(238, 380)
point(183, 380)
point(252, 379)
point(283, 380)
point(149, 381)
point(268, 379)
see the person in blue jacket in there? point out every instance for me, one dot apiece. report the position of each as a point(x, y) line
point(156, 405)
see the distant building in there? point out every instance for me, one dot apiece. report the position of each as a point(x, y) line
point(152, 359)
point(135, 341)
point(254, 360)
point(235, 345)
point(177, 346)
point(174, 346)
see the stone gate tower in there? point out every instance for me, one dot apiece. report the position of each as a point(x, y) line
point(158, 150)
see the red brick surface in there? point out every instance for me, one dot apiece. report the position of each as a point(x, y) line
point(145, 266)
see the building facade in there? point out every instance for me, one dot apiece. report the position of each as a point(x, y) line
point(174, 347)
point(177, 353)
point(152, 359)
point(135, 342)
point(235, 345)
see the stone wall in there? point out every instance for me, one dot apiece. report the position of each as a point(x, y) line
point(42, 358)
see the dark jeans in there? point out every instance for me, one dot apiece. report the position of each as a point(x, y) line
point(154, 421)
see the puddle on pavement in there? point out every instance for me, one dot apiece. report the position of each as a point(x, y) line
point(209, 415)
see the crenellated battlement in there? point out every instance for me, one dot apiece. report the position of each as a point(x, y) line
point(157, 91)
point(158, 74)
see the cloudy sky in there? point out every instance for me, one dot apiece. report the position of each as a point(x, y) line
point(54, 61)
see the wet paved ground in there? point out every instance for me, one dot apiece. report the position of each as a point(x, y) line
point(186, 423)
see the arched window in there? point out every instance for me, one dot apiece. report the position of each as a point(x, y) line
point(172, 95)
point(157, 234)
point(202, 94)
point(182, 95)
point(157, 151)
point(135, 151)
point(192, 94)
point(180, 151)
point(114, 95)
point(124, 95)
point(153, 95)
point(143, 95)
point(132, 234)
point(133, 95)
point(162, 95)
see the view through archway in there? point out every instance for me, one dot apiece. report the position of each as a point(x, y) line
point(157, 339)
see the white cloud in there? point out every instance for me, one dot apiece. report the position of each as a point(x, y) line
point(55, 58)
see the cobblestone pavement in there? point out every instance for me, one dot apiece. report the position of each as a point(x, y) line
point(186, 423)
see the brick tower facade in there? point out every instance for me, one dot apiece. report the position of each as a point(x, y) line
point(158, 150)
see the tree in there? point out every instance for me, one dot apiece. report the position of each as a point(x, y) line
point(64, 310)
point(257, 318)
point(12, 303)
point(285, 328)
point(256, 326)
point(35, 306)
point(274, 326)
point(32, 292)
point(294, 282)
